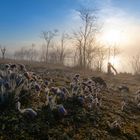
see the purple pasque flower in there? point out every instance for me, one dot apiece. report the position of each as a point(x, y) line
point(81, 100)
point(37, 87)
point(62, 110)
point(7, 85)
point(27, 75)
point(77, 75)
point(13, 66)
point(46, 82)
point(54, 90)
point(22, 67)
point(7, 66)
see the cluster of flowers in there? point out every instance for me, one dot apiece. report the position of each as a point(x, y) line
point(15, 77)
point(88, 90)
point(11, 81)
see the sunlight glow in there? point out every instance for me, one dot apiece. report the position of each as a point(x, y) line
point(114, 61)
point(111, 37)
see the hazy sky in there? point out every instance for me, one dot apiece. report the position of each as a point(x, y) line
point(21, 21)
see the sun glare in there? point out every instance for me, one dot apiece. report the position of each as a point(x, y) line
point(111, 37)
point(114, 61)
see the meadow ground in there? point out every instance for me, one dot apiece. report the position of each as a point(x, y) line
point(82, 124)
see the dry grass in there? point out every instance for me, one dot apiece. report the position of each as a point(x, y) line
point(84, 125)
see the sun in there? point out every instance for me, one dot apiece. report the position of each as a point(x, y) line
point(111, 37)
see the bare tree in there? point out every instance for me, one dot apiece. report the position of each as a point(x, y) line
point(91, 53)
point(48, 36)
point(62, 49)
point(21, 54)
point(42, 53)
point(86, 35)
point(100, 58)
point(135, 63)
point(32, 52)
point(79, 50)
point(113, 51)
point(53, 57)
point(3, 51)
point(26, 53)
